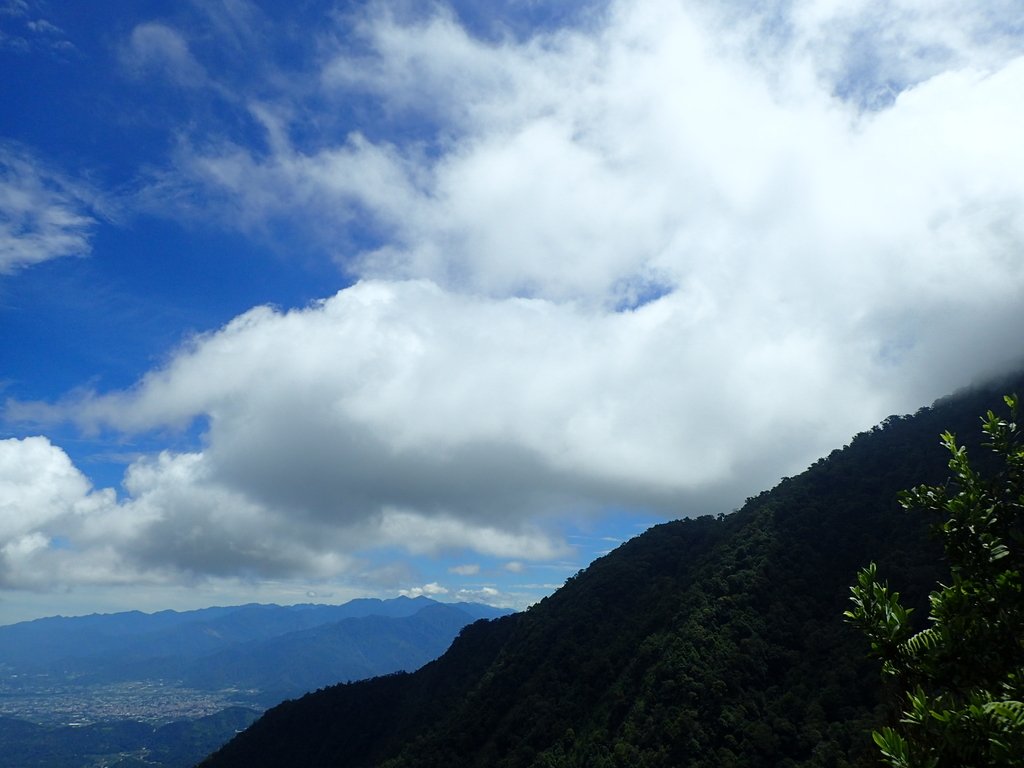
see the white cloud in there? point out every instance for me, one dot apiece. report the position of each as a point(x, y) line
point(43, 213)
point(872, 50)
point(469, 569)
point(804, 256)
point(435, 534)
point(433, 589)
point(403, 400)
point(57, 531)
point(661, 154)
point(517, 598)
point(37, 484)
point(44, 498)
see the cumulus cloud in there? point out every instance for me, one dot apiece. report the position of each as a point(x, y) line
point(433, 589)
point(176, 525)
point(44, 214)
point(44, 498)
point(486, 594)
point(38, 484)
point(672, 153)
point(653, 264)
point(403, 399)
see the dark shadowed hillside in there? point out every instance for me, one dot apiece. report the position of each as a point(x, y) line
point(705, 642)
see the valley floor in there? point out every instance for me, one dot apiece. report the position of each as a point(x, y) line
point(153, 702)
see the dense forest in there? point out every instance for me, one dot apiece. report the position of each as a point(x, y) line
point(715, 641)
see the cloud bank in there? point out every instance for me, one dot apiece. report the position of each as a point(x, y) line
point(655, 264)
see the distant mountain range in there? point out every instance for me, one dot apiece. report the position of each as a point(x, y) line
point(271, 651)
point(151, 669)
point(707, 642)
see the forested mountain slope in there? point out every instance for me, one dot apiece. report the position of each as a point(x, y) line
point(704, 642)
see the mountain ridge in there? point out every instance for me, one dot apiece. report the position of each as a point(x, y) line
point(146, 690)
point(372, 637)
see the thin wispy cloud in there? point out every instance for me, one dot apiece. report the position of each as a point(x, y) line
point(44, 213)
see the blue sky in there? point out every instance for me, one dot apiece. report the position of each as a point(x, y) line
point(317, 300)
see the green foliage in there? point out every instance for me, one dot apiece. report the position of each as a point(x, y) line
point(962, 676)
